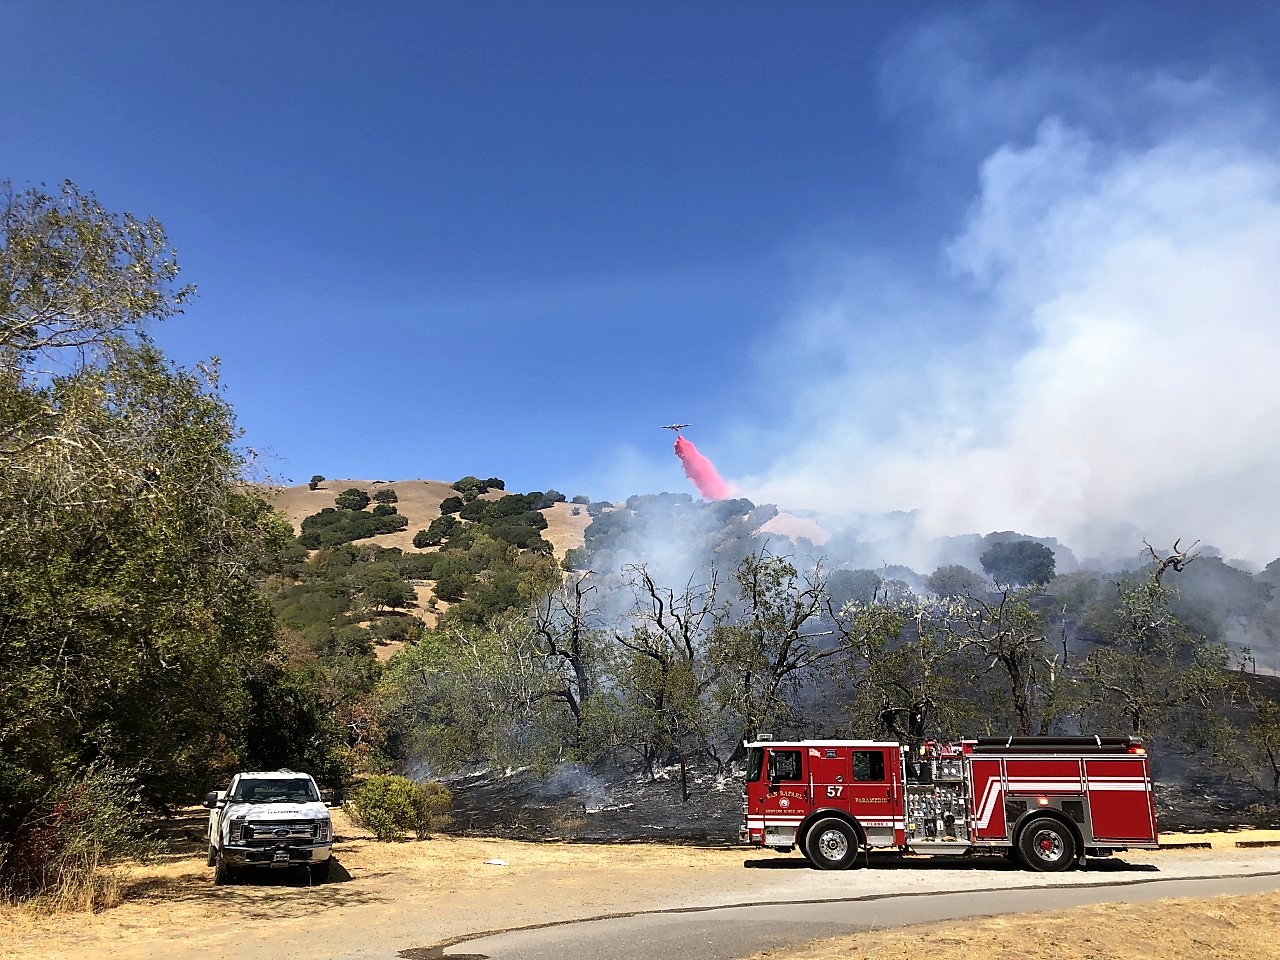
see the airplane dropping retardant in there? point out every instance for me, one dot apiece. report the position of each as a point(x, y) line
point(677, 427)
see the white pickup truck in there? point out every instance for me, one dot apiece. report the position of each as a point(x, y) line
point(268, 820)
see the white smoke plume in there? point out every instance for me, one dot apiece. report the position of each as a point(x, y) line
point(1094, 358)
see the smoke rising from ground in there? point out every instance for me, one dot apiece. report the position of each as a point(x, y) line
point(1094, 359)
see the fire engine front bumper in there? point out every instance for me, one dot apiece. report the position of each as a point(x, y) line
point(770, 836)
point(277, 855)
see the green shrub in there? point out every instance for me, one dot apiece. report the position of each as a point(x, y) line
point(60, 853)
point(390, 806)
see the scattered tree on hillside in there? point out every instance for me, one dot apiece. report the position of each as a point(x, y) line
point(450, 505)
point(953, 580)
point(386, 495)
point(315, 482)
point(1018, 563)
point(352, 498)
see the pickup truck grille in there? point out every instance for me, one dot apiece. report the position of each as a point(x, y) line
point(270, 832)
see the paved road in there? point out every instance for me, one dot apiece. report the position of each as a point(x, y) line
point(727, 933)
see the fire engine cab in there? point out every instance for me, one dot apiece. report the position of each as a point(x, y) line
point(1046, 801)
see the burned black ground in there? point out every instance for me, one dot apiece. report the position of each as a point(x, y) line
point(606, 804)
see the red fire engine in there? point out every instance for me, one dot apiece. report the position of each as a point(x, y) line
point(1049, 801)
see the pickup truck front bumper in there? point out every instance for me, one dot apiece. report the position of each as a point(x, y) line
point(277, 855)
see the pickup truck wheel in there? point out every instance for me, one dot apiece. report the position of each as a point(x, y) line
point(213, 856)
point(1047, 846)
point(831, 844)
point(320, 871)
point(223, 872)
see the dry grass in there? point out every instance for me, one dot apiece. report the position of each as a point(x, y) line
point(1231, 928)
point(564, 530)
point(414, 893)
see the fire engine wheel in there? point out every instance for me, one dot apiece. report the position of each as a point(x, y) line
point(831, 844)
point(1046, 845)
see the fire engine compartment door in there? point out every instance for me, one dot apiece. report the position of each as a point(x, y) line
point(871, 790)
point(1121, 805)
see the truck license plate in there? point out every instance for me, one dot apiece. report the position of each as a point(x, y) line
point(281, 856)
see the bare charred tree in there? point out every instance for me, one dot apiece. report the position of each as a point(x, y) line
point(666, 671)
point(569, 638)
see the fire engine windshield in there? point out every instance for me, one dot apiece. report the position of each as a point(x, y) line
point(755, 763)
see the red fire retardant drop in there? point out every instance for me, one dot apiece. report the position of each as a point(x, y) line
point(701, 471)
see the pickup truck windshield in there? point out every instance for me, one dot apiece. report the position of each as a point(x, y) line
point(275, 790)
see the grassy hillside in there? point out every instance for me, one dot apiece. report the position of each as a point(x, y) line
point(419, 501)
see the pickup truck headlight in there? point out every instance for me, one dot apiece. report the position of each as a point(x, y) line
point(324, 831)
point(236, 828)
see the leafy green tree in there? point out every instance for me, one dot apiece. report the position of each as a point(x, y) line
point(771, 645)
point(384, 510)
point(450, 505)
point(474, 510)
point(1151, 675)
point(1018, 563)
point(903, 659)
point(388, 593)
point(853, 586)
point(471, 691)
point(954, 580)
point(315, 482)
point(454, 586)
point(352, 499)
point(73, 274)
point(439, 530)
point(493, 483)
point(1007, 633)
point(386, 495)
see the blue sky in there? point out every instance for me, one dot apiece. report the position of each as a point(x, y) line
point(844, 240)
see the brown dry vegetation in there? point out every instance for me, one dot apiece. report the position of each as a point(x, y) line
point(1231, 928)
